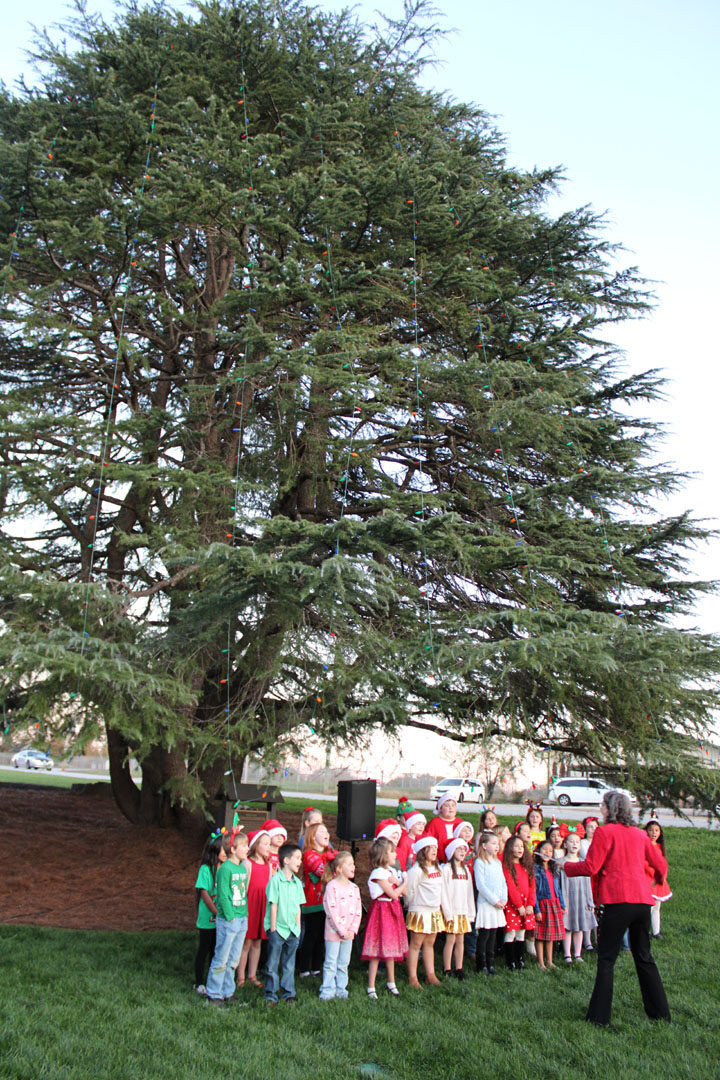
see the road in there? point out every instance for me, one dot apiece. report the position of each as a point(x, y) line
point(568, 813)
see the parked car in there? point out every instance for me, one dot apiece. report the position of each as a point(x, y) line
point(582, 790)
point(32, 759)
point(462, 788)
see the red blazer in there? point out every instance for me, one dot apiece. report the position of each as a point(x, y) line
point(616, 862)
point(522, 894)
point(439, 828)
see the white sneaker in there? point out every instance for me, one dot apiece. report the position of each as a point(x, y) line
point(200, 990)
point(304, 974)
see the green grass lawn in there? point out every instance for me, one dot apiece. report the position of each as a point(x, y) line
point(116, 1006)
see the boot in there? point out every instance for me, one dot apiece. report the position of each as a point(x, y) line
point(519, 955)
point(509, 947)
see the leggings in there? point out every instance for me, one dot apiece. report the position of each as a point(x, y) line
point(205, 949)
point(312, 947)
point(485, 948)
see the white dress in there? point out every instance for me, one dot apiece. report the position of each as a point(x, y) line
point(491, 888)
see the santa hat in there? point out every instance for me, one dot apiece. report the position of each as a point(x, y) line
point(463, 825)
point(411, 818)
point(388, 828)
point(424, 841)
point(274, 828)
point(554, 824)
point(253, 837)
point(653, 817)
point(452, 847)
point(443, 799)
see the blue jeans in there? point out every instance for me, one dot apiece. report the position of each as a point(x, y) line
point(229, 938)
point(280, 958)
point(335, 969)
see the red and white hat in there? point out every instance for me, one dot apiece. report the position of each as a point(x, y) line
point(253, 837)
point(412, 818)
point(452, 847)
point(443, 799)
point(274, 828)
point(463, 825)
point(424, 841)
point(389, 828)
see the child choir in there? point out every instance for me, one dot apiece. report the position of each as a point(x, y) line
point(507, 889)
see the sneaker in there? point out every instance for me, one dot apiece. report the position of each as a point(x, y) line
point(289, 1000)
point(217, 1003)
point(315, 972)
point(200, 990)
point(236, 1001)
point(304, 974)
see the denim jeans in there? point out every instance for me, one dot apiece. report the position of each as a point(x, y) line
point(335, 969)
point(229, 938)
point(280, 959)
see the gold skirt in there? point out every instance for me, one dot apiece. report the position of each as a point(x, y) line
point(425, 922)
point(459, 924)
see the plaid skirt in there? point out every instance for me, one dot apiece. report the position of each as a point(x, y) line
point(550, 925)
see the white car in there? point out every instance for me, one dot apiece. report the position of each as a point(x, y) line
point(32, 759)
point(462, 789)
point(582, 791)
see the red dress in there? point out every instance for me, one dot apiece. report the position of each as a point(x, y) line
point(521, 893)
point(256, 899)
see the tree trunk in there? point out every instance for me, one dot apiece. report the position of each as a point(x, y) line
point(124, 788)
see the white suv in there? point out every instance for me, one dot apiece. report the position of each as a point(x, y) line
point(582, 790)
point(462, 789)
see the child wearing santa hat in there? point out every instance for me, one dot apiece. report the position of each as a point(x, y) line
point(413, 823)
point(388, 829)
point(444, 823)
point(260, 871)
point(458, 905)
point(278, 836)
point(424, 918)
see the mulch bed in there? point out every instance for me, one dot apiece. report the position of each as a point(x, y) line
point(72, 860)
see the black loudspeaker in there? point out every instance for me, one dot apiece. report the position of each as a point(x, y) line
point(356, 809)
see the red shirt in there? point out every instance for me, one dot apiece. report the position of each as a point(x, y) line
point(521, 894)
point(616, 862)
point(314, 863)
point(442, 831)
point(403, 850)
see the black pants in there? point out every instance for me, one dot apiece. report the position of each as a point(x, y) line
point(311, 954)
point(485, 949)
point(205, 949)
point(615, 920)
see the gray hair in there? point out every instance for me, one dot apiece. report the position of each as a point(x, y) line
point(619, 808)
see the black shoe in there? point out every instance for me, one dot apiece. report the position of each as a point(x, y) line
point(447, 974)
point(519, 955)
point(509, 949)
point(490, 970)
point(460, 974)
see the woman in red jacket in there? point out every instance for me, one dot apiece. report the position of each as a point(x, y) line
point(616, 861)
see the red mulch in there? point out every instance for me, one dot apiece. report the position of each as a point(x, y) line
point(93, 870)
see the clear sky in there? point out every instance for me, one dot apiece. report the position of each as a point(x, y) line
point(625, 95)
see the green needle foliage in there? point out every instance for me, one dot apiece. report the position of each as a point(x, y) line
point(309, 417)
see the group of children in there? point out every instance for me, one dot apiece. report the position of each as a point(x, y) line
point(425, 880)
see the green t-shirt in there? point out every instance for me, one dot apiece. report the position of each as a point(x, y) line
point(289, 896)
point(231, 891)
point(205, 880)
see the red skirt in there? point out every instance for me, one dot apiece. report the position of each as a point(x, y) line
point(385, 934)
point(550, 925)
point(513, 921)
